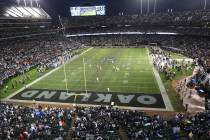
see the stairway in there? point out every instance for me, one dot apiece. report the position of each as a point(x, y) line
point(69, 137)
point(123, 133)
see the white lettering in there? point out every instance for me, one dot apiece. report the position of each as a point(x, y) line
point(125, 99)
point(104, 98)
point(86, 97)
point(146, 99)
point(29, 94)
point(46, 94)
point(65, 95)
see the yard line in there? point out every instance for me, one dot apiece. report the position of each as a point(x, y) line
point(106, 81)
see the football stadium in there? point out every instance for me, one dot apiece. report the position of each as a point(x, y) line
point(104, 70)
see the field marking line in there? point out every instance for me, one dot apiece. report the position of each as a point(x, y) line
point(107, 81)
point(110, 86)
point(163, 92)
point(45, 75)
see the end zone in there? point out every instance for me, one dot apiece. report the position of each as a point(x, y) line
point(140, 100)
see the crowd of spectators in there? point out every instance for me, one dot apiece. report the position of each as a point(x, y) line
point(11, 27)
point(184, 23)
point(196, 17)
point(145, 127)
point(141, 29)
point(96, 123)
point(19, 56)
point(20, 32)
point(19, 122)
point(101, 123)
point(16, 57)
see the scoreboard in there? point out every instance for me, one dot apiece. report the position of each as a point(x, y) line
point(87, 11)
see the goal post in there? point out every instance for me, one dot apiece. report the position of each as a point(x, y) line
point(152, 44)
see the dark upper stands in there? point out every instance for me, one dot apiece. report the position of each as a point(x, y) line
point(187, 22)
point(19, 27)
point(187, 18)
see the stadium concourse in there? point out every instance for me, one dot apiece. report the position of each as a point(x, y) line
point(104, 77)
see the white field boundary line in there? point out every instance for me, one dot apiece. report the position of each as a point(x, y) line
point(163, 92)
point(45, 75)
point(82, 105)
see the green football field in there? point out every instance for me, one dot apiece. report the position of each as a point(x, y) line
point(119, 69)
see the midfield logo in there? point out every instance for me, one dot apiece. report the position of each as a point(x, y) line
point(99, 98)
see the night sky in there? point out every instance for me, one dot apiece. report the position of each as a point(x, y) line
point(113, 7)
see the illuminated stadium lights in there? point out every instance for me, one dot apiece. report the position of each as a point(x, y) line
point(155, 5)
point(25, 12)
point(32, 11)
point(10, 13)
point(25, 2)
point(17, 11)
point(148, 6)
point(205, 2)
point(141, 7)
point(40, 12)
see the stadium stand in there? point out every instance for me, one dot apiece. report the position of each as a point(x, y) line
point(33, 123)
point(18, 57)
point(21, 20)
point(187, 22)
point(173, 18)
point(97, 123)
point(28, 51)
point(13, 28)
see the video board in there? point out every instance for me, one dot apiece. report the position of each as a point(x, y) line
point(88, 11)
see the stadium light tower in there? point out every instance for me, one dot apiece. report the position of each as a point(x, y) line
point(37, 3)
point(31, 3)
point(141, 7)
point(25, 2)
point(148, 2)
point(18, 2)
point(205, 2)
point(155, 5)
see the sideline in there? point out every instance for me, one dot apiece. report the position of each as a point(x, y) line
point(45, 75)
point(82, 105)
point(164, 94)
